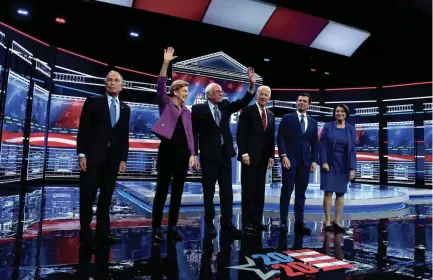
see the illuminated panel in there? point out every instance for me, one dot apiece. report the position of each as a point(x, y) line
point(194, 10)
point(242, 15)
point(293, 26)
point(340, 39)
point(126, 3)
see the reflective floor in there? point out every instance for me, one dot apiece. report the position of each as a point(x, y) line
point(387, 245)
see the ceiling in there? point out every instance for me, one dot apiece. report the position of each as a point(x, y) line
point(398, 50)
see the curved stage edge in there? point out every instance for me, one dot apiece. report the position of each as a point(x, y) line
point(360, 198)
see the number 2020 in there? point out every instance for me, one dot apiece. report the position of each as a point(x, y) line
point(279, 258)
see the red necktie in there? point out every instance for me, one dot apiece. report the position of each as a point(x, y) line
point(264, 119)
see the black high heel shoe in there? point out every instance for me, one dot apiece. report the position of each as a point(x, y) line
point(338, 229)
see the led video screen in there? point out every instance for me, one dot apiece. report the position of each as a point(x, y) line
point(37, 139)
point(401, 156)
point(233, 90)
point(367, 152)
point(13, 125)
point(65, 112)
point(428, 152)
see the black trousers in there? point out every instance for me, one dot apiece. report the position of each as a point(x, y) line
point(221, 171)
point(103, 177)
point(253, 180)
point(171, 163)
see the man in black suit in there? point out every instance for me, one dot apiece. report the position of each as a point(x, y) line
point(255, 139)
point(211, 128)
point(102, 147)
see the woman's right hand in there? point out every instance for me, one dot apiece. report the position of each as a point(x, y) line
point(325, 167)
point(169, 55)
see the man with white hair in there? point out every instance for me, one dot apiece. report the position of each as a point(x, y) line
point(102, 147)
point(212, 137)
point(256, 143)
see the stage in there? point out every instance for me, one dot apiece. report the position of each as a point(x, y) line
point(390, 237)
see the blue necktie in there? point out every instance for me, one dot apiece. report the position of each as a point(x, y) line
point(302, 124)
point(218, 120)
point(113, 112)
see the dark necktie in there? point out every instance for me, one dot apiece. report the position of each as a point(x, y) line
point(302, 124)
point(218, 120)
point(264, 119)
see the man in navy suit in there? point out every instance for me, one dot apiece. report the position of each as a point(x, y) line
point(297, 141)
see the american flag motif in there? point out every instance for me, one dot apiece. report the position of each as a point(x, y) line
point(318, 260)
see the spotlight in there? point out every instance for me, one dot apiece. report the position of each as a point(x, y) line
point(326, 73)
point(134, 34)
point(313, 70)
point(266, 59)
point(22, 12)
point(60, 20)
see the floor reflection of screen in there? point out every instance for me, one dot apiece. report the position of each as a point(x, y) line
point(367, 152)
point(276, 170)
point(63, 124)
point(37, 133)
point(13, 125)
point(401, 157)
point(428, 152)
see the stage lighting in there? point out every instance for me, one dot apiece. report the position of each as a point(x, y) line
point(326, 73)
point(313, 70)
point(60, 20)
point(22, 12)
point(267, 59)
point(134, 34)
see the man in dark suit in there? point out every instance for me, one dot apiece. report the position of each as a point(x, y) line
point(102, 147)
point(298, 149)
point(211, 129)
point(255, 139)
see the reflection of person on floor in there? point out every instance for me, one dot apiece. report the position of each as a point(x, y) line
point(338, 254)
point(297, 147)
point(337, 148)
point(176, 151)
point(168, 266)
point(212, 136)
point(255, 139)
point(102, 147)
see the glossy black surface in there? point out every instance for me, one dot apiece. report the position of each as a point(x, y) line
point(387, 246)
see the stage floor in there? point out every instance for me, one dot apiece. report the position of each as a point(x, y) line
point(388, 244)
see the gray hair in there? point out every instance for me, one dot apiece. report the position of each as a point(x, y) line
point(113, 71)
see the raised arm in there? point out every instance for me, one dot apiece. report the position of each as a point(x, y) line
point(161, 85)
point(243, 102)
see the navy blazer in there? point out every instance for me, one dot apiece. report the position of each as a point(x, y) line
point(327, 144)
point(299, 148)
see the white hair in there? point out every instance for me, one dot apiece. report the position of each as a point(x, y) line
point(112, 72)
point(209, 88)
point(265, 87)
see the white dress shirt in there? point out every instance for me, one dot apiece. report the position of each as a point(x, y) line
point(109, 105)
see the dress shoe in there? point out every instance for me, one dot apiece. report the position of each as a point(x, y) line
point(173, 234)
point(210, 230)
point(338, 229)
point(328, 228)
point(261, 227)
point(232, 229)
point(249, 228)
point(157, 236)
point(301, 229)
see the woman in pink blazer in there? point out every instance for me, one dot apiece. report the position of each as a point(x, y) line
point(176, 151)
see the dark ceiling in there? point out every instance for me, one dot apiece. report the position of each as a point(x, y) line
point(398, 51)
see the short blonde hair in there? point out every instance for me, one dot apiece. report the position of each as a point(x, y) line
point(176, 85)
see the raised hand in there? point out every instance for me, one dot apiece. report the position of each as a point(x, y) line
point(251, 75)
point(169, 54)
